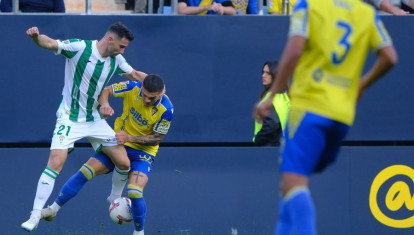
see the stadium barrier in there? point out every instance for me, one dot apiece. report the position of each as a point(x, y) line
point(219, 191)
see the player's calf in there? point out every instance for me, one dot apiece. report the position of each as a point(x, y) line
point(138, 206)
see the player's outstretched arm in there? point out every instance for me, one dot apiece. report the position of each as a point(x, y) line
point(42, 40)
point(136, 75)
point(154, 139)
point(387, 58)
point(106, 110)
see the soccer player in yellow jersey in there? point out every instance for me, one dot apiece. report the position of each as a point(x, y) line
point(326, 51)
point(147, 114)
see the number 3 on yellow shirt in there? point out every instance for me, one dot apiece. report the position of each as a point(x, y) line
point(336, 58)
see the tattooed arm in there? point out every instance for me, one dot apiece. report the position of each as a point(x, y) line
point(154, 139)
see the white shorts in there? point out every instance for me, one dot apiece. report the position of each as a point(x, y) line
point(67, 132)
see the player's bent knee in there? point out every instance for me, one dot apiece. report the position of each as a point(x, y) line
point(118, 156)
point(284, 187)
point(135, 191)
point(125, 165)
point(55, 164)
point(97, 166)
point(56, 159)
point(290, 181)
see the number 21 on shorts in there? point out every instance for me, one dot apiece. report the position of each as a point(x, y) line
point(63, 130)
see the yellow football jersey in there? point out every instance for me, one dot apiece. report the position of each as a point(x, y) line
point(339, 35)
point(276, 6)
point(139, 120)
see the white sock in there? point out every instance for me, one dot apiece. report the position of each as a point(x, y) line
point(119, 179)
point(44, 188)
point(35, 213)
point(138, 232)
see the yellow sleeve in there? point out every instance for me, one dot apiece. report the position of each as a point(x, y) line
point(379, 35)
point(275, 6)
point(121, 89)
point(299, 20)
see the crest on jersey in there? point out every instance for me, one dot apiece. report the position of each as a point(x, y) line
point(164, 126)
point(61, 138)
point(120, 86)
point(317, 75)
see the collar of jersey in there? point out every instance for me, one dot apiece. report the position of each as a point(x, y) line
point(95, 48)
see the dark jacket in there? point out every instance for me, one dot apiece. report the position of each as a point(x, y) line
point(269, 134)
point(34, 6)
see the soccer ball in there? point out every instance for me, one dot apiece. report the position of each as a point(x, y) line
point(120, 211)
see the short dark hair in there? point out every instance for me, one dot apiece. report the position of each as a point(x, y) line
point(121, 31)
point(153, 83)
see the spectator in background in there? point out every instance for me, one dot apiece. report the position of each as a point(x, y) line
point(34, 6)
point(140, 6)
point(393, 7)
point(407, 8)
point(206, 7)
point(276, 8)
point(268, 132)
point(245, 6)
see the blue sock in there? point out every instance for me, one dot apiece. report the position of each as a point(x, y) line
point(284, 223)
point(302, 211)
point(139, 207)
point(75, 184)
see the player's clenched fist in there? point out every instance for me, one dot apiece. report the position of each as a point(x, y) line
point(106, 110)
point(32, 32)
point(121, 137)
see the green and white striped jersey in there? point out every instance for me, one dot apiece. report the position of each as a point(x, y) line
point(86, 75)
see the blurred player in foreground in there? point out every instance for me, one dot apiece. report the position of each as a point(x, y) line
point(326, 51)
point(146, 119)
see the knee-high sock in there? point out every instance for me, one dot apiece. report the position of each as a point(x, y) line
point(302, 211)
point(119, 179)
point(44, 189)
point(139, 207)
point(74, 184)
point(284, 223)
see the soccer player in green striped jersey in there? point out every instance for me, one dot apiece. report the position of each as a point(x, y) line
point(90, 64)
